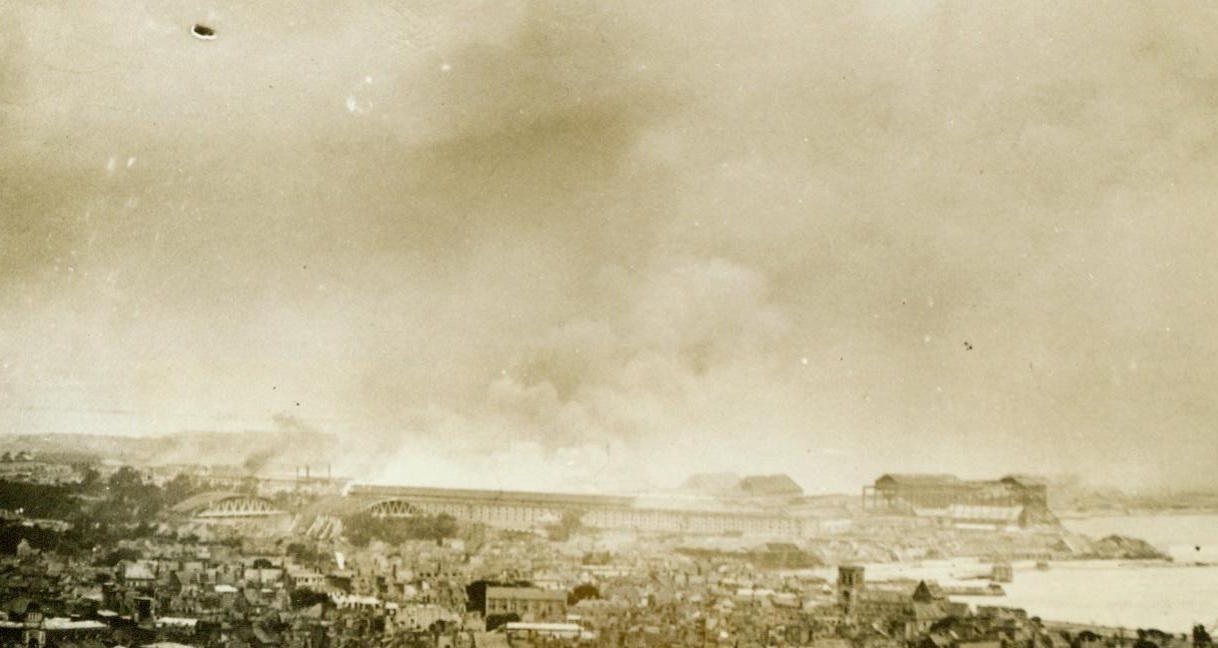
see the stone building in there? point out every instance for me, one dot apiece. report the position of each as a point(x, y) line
point(530, 603)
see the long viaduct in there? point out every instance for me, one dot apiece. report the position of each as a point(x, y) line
point(504, 509)
point(525, 510)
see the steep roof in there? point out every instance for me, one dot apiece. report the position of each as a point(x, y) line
point(927, 591)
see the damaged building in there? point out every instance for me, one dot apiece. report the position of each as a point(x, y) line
point(1014, 501)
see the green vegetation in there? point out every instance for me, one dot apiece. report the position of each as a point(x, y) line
point(37, 537)
point(494, 621)
point(98, 511)
point(304, 553)
point(363, 528)
point(304, 597)
point(39, 501)
point(118, 555)
point(583, 592)
point(128, 499)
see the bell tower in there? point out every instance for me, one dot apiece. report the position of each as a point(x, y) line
point(850, 583)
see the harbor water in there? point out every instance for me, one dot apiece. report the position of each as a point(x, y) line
point(1169, 596)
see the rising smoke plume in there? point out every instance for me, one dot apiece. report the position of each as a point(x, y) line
point(508, 244)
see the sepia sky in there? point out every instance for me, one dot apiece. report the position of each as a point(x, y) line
point(602, 246)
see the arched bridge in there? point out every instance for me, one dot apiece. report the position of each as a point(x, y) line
point(394, 508)
point(225, 505)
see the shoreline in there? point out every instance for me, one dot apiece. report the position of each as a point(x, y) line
point(1053, 595)
point(1133, 512)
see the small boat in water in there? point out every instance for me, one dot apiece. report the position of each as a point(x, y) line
point(1042, 565)
point(979, 572)
point(993, 589)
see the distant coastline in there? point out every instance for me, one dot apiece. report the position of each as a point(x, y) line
point(1066, 515)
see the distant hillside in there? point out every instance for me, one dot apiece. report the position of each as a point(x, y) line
point(732, 485)
point(254, 451)
point(1072, 497)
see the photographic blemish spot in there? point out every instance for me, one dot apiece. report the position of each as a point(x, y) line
point(203, 31)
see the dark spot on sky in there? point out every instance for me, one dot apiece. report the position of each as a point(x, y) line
point(203, 31)
point(968, 346)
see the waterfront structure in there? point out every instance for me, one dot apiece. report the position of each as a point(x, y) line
point(1013, 501)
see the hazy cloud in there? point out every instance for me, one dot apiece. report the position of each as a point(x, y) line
point(517, 244)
